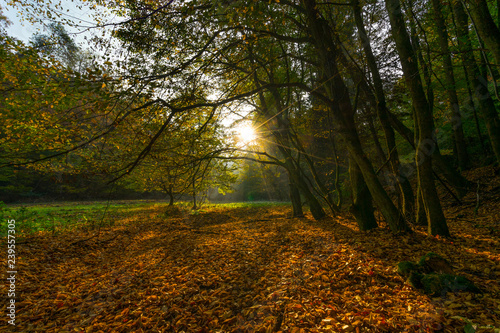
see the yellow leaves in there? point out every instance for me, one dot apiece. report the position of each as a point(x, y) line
point(347, 328)
point(125, 312)
point(454, 306)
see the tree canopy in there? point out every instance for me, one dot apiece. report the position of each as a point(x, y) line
point(380, 105)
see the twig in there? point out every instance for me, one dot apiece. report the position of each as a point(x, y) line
point(251, 221)
point(83, 240)
point(447, 188)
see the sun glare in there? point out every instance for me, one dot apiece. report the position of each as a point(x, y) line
point(246, 134)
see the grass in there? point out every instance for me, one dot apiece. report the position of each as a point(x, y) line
point(57, 217)
point(63, 216)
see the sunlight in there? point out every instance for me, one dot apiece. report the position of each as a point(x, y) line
point(246, 133)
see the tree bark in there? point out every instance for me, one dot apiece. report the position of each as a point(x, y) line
point(486, 27)
point(171, 195)
point(403, 185)
point(362, 207)
point(342, 114)
point(420, 219)
point(295, 199)
point(485, 102)
point(426, 143)
point(456, 118)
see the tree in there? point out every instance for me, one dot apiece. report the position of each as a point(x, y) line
point(426, 143)
point(294, 63)
point(479, 83)
point(485, 26)
point(457, 125)
point(404, 188)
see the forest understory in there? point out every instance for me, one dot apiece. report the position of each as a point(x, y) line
point(257, 270)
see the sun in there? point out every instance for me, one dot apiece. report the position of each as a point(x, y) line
point(246, 134)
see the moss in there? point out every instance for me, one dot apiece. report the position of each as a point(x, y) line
point(434, 275)
point(439, 284)
point(405, 268)
point(433, 285)
point(459, 283)
point(415, 280)
point(434, 263)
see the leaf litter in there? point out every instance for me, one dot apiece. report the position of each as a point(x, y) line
point(252, 270)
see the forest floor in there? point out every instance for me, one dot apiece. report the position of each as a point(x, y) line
point(255, 269)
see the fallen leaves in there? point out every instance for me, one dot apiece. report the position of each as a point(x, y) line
point(226, 271)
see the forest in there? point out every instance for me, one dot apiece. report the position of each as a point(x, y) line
point(251, 166)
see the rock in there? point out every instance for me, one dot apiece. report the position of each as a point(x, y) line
point(460, 283)
point(434, 275)
point(415, 280)
point(439, 284)
point(434, 263)
point(432, 285)
point(405, 268)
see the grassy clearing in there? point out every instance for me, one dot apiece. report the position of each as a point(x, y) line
point(57, 217)
point(63, 216)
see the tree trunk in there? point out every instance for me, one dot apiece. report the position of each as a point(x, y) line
point(424, 122)
point(486, 27)
point(337, 169)
point(342, 114)
point(471, 106)
point(405, 191)
point(456, 118)
point(281, 131)
point(315, 207)
point(295, 199)
point(420, 219)
point(362, 207)
point(479, 83)
point(194, 196)
point(453, 177)
point(376, 142)
point(171, 195)
point(417, 50)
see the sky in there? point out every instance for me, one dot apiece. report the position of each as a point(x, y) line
point(17, 29)
point(81, 17)
point(24, 30)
